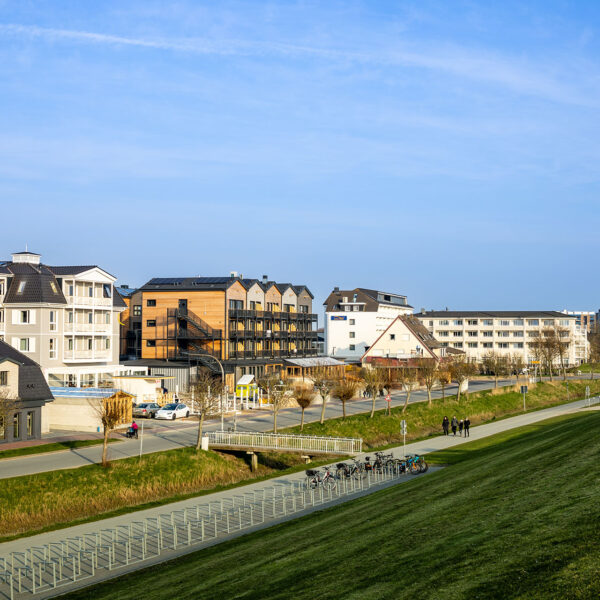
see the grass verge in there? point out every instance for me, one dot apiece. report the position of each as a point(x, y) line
point(507, 520)
point(57, 499)
point(424, 421)
point(52, 447)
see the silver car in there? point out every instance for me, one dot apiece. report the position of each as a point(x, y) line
point(146, 409)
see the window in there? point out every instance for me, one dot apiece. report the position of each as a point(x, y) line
point(504, 323)
point(70, 316)
point(151, 343)
point(471, 321)
point(548, 322)
point(430, 323)
point(392, 336)
point(21, 287)
point(518, 334)
point(347, 308)
point(107, 318)
point(457, 333)
point(533, 322)
point(533, 333)
point(52, 348)
point(518, 322)
point(2, 287)
point(70, 344)
point(53, 287)
point(90, 318)
point(352, 347)
point(488, 344)
point(30, 424)
point(25, 316)
point(458, 344)
point(107, 344)
point(472, 333)
point(151, 323)
point(503, 333)
point(71, 290)
point(564, 322)
point(444, 322)
point(52, 318)
point(472, 344)
point(487, 333)
point(356, 308)
point(89, 344)
point(24, 344)
point(352, 334)
point(502, 344)
point(518, 345)
point(233, 304)
point(457, 322)
point(153, 303)
point(487, 322)
point(443, 333)
point(444, 344)
point(352, 321)
point(303, 308)
point(252, 305)
point(90, 292)
point(3, 377)
point(16, 426)
point(137, 310)
point(107, 290)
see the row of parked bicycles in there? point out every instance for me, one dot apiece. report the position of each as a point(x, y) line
point(359, 469)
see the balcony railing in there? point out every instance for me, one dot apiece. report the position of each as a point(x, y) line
point(98, 328)
point(87, 354)
point(87, 301)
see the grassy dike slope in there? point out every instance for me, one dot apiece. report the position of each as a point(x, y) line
point(516, 516)
point(424, 420)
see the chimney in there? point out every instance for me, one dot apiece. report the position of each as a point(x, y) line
point(265, 279)
point(233, 274)
point(336, 289)
point(423, 311)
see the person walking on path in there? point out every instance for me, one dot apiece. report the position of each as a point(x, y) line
point(467, 425)
point(446, 425)
point(460, 427)
point(454, 424)
point(134, 426)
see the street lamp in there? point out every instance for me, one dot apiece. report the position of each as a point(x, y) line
point(222, 382)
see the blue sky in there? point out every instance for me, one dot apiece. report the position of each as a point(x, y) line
point(445, 150)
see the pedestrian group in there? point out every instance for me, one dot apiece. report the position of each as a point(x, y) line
point(462, 426)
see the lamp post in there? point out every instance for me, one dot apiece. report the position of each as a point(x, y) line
point(223, 384)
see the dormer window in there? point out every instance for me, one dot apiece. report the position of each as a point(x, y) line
point(53, 287)
point(21, 287)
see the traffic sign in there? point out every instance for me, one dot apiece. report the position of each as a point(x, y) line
point(523, 389)
point(388, 398)
point(403, 427)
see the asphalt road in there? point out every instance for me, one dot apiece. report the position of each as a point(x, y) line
point(168, 435)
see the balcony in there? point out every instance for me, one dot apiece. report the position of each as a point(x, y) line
point(86, 355)
point(94, 329)
point(89, 301)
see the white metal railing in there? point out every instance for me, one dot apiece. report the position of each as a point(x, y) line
point(89, 301)
point(87, 328)
point(85, 354)
point(277, 441)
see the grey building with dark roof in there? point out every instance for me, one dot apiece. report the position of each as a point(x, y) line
point(23, 393)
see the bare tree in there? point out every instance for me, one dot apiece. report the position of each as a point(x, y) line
point(460, 371)
point(408, 377)
point(345, 390)
point(371, 379)
point(278, 392)
point(517, 364)
point(561, 343)
point(497, 365)
point(549, 349)
point(304, 396)
point(110, 415)
point(8, 406)
point(429, 374)
point(444, 379)
point(206, 391)
point(323, 382)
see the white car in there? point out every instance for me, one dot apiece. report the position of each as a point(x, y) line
point(173, 411)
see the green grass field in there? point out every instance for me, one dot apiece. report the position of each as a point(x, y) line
point(424, 421)
point(513, 516)
point(52, 447)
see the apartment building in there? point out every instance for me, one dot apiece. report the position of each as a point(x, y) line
point(506, 332)
point(354, 319)
point(65, 318)
point(247, 324)
point(586, 319)
point(23, 394)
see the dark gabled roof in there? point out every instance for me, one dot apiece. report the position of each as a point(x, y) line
point(37, 284)
point(420, 331)
point(32, 385)
point(370, 298)
point(500, 314)
point(75, 270)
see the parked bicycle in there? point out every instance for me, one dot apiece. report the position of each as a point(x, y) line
point(315, 479)
point(355, 470)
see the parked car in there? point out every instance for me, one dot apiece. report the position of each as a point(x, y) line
point(173, 411)
point(146, 409)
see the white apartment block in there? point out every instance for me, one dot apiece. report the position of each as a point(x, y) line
point(354, 319)
point(64, 318)
point(505, 332)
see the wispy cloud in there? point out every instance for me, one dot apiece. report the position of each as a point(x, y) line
point(515, 75)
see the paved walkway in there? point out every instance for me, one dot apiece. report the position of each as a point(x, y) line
point(166, 435)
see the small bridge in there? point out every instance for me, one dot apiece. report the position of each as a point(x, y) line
point(268, 442)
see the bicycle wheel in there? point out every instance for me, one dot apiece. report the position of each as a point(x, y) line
point(424, 466)
point(329, 482)
point(415, 469)
point(312, 483)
